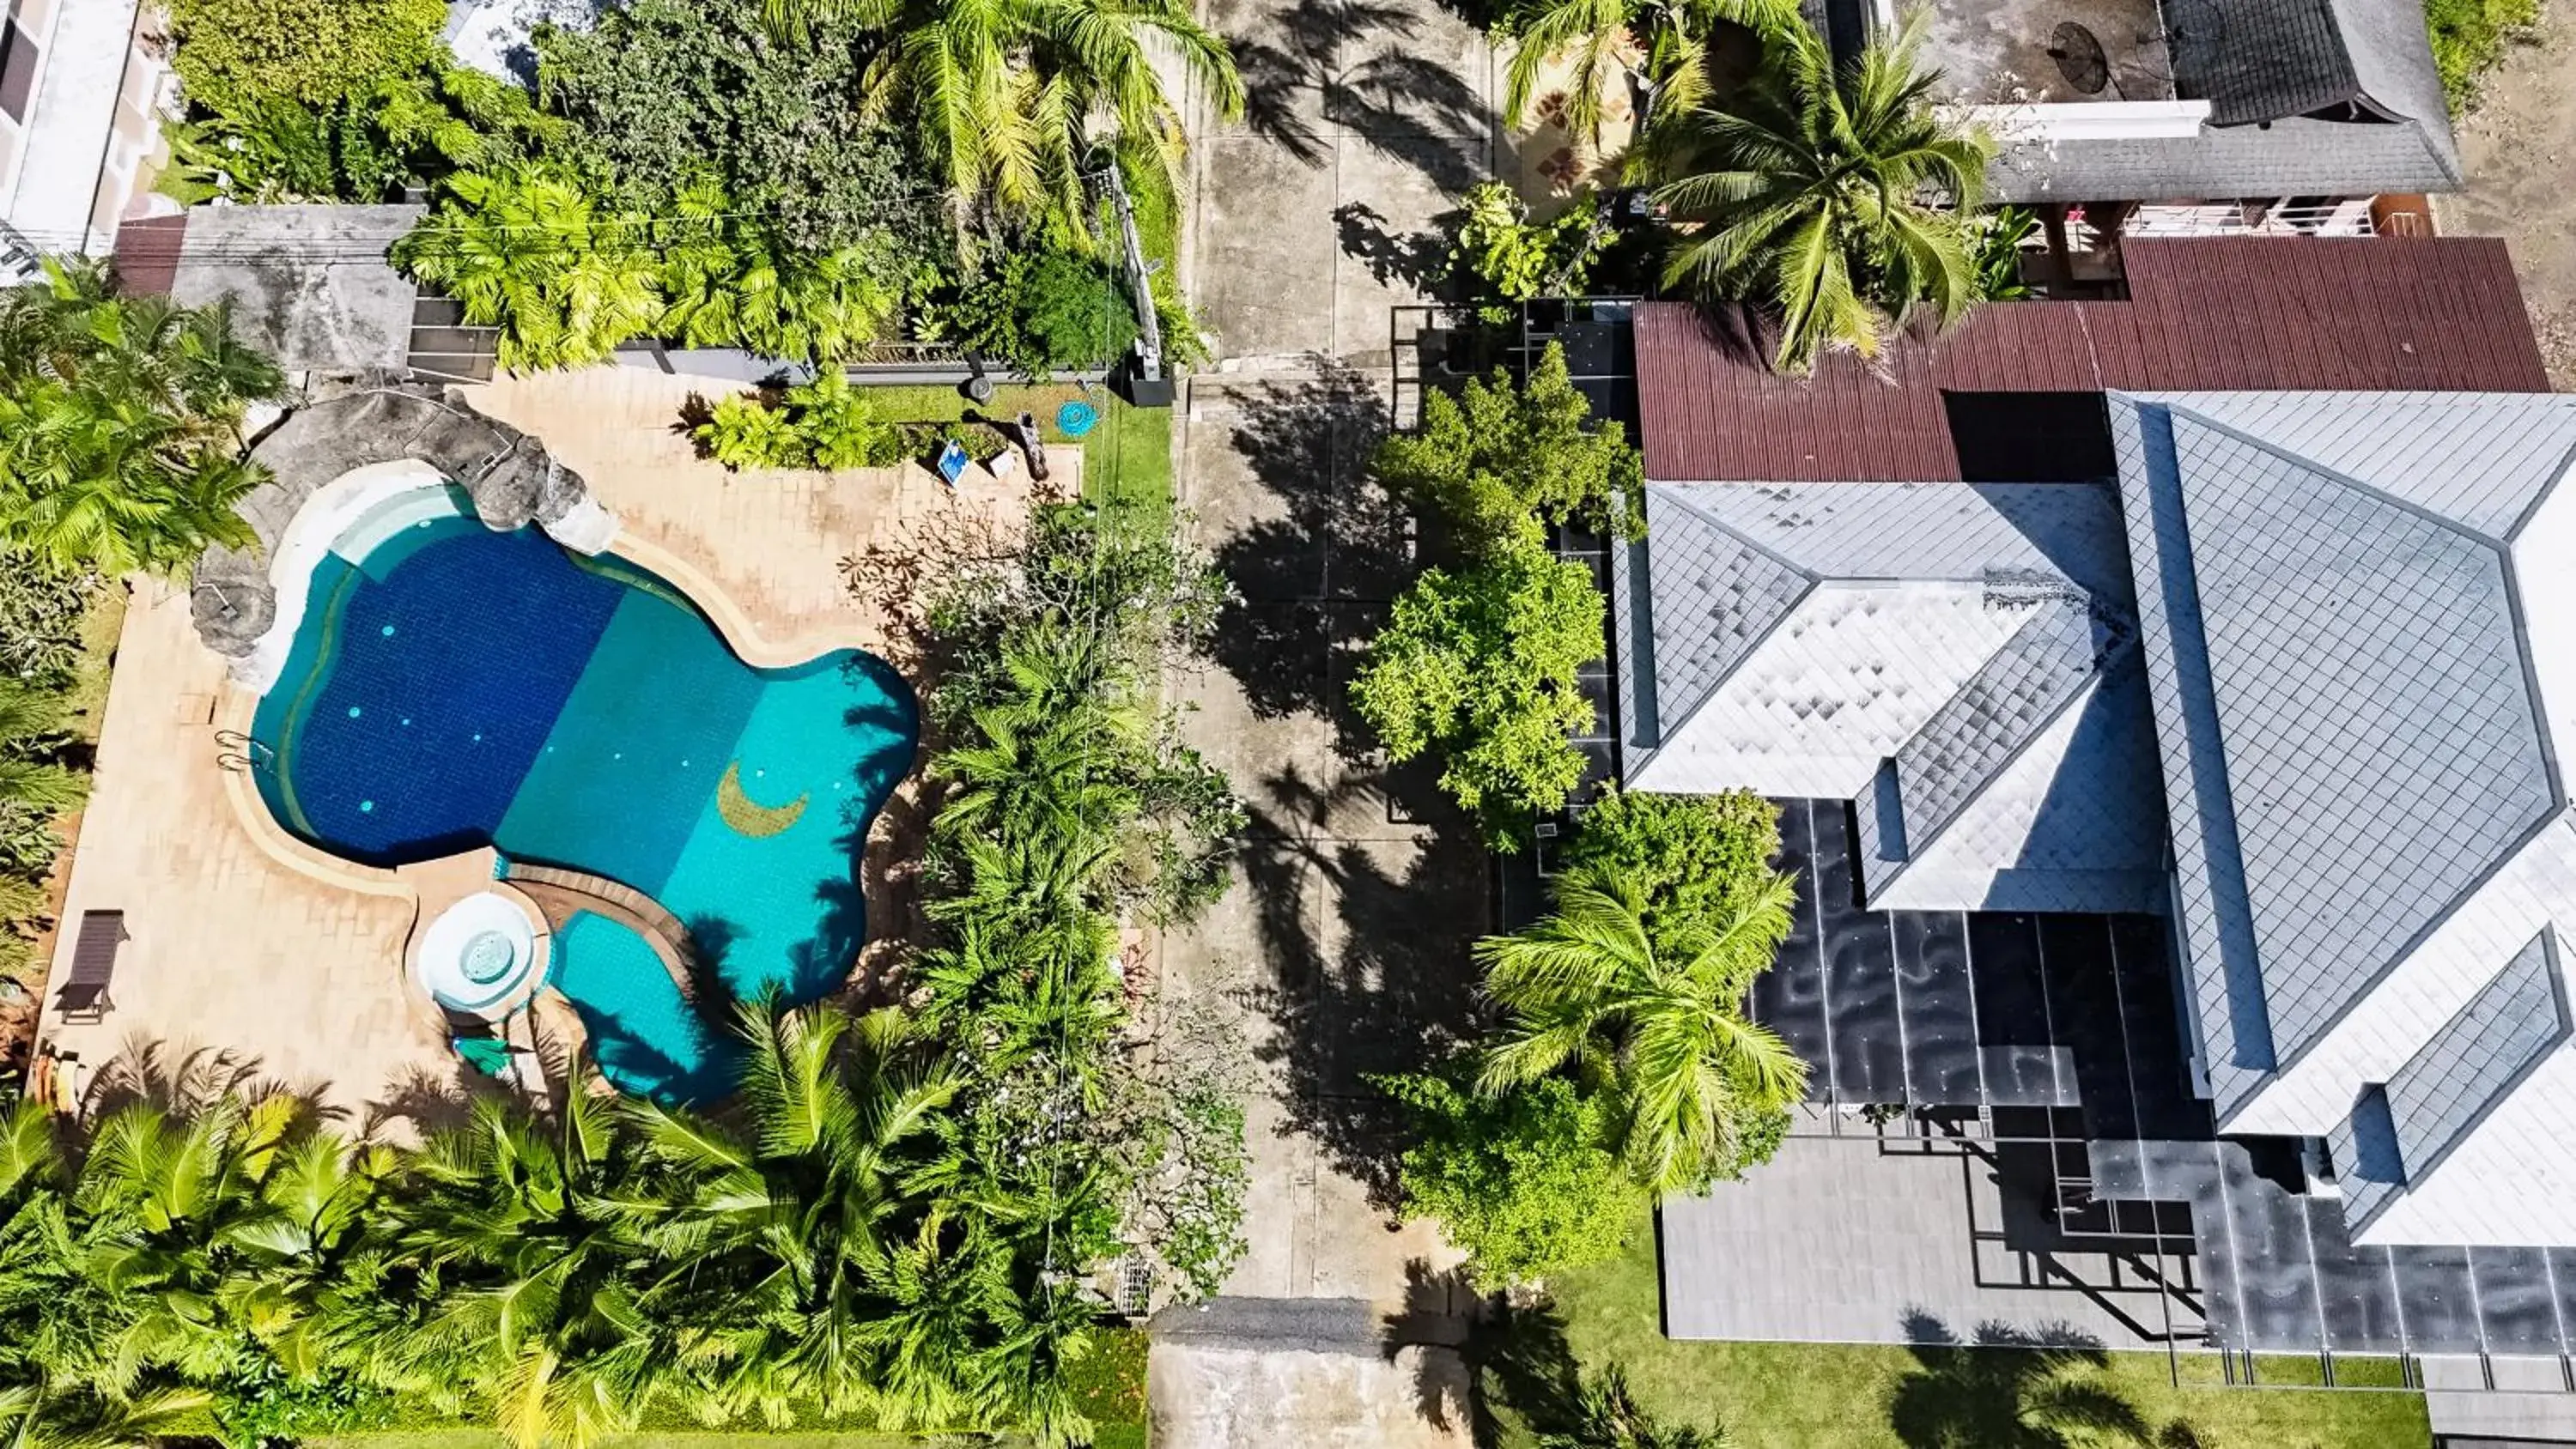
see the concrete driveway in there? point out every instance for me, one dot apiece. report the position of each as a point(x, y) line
point(1341, 948)
point(1367, 118)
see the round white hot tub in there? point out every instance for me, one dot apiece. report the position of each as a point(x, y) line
point(479, 956)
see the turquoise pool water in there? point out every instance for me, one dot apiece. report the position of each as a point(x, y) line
point(451, 686)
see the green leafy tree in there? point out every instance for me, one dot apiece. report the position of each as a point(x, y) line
point(1690, 859)
point(309, 52)
point(1832, 194)
point(662, 93)
point(1479, 665)
point(1500, 461)
point(1513, 259)
point(120, 445)
point(1003, 90)
point(532, 250)
point(1527, 1182)
point(1587, 989)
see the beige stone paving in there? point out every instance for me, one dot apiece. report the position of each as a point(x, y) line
point(243, 941)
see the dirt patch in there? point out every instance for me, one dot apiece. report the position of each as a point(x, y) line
point(2518, 143)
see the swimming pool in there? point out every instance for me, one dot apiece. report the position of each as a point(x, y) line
point(451, 687)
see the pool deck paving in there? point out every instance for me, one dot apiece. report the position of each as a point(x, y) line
point(242, 942)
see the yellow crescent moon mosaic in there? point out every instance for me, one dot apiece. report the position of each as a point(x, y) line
point(748, 816)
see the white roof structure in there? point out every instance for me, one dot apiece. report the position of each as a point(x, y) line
point(1956, 659)
point(2358, 616)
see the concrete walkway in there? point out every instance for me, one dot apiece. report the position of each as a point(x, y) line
point(1341, 949)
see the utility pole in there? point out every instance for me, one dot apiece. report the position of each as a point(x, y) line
point(1151, 388)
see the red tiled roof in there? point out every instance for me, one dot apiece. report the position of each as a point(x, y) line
point(2393, 313)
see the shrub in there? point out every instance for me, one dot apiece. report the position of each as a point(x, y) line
point(1039, 314)
point(2469, 37)
point(1480, 665)
point(744, 431)
point(311, 52)
point(1692, 858)
point(1528, 1183)
point(825, 423)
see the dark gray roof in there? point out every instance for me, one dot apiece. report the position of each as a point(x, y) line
point(2296, 157)
point(2343, 703)
point(2399, 1133)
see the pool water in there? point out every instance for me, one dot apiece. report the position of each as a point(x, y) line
point(452, 687)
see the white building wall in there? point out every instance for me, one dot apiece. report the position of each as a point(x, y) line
point(91, 125)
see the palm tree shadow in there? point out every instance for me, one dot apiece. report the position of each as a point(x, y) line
point(2008, 1388)
point(1524, 1372)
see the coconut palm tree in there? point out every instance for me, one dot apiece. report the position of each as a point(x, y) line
point(1832, 194)
point(1661, 42)
point(52, 1415)
point(1587, 987)
point(527, 1234)
point(804, 1197)
point(1003, 91)
point(119, 424)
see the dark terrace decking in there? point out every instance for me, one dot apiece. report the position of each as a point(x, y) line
point(2436, 314)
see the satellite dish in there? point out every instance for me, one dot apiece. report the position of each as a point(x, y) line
point(2079, 57)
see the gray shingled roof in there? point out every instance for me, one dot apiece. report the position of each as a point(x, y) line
point(2341, 694)
point(1727, 565)
point(2051, 662)
point(2400, 1133)
point(2295, 157)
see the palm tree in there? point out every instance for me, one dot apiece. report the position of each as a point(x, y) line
point(1668, 37)
point(806, 1199)
point(1587, 987)
point(1832, 194)
point(174, 1207)
point(527, 1237)
point(734, 282)
point(119, 424)
point(50, 1415)
point(1001, 90)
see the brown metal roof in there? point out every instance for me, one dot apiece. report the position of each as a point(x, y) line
point(2388, 313)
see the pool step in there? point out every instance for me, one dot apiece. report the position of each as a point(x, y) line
point(563, 893)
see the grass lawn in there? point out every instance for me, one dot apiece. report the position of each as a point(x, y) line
point(1126, 457)
point(1827, 1396)
point(1108, 1385)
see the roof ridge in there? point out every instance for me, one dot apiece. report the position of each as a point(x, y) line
point(1672, 491)
point(1666, 733)
point(2322, 470)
